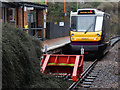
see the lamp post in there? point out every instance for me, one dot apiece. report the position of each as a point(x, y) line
point(64, 10)
point(44, 22)
point(77, 4)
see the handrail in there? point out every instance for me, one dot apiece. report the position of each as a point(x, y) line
point(33, 28)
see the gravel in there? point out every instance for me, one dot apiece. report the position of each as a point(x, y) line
point(106, 69)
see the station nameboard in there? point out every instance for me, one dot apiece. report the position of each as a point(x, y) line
point(86, 12)
point(30, 8)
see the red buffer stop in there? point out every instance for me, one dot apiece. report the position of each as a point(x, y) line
point(70, 64)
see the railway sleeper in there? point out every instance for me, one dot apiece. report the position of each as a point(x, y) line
point(90, 77)
point(88, 83)
point(84, 86)
point(88, 80)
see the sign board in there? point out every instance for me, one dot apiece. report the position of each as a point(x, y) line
point(81, 12)
point(44, 16)
point(25, 8)
point(44, 24)
point(61, 24)
point(28, 16)
point(30, 8)
point(44, 21)
point(65, 14)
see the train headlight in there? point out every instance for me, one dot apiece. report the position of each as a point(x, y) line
point(94, 38)
point(72, 34)
point(98, 35)
point(73, 38)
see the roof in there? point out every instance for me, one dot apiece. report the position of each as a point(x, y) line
point(15, 1)
point(18, 3)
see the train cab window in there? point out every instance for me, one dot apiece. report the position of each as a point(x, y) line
point(73, 23)
point(86, 23)
point(83, 23)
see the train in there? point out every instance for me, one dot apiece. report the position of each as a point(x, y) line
point(89, 32)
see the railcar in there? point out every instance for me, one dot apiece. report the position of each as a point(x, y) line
point(89, 31)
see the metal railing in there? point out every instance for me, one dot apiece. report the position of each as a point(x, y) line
point(30, 32)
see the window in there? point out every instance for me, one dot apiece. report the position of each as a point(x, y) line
point(73, 23)
point(86, 23)
point(83, 23)
point(11, 14)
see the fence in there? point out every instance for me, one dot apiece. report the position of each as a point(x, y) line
point(57, 29)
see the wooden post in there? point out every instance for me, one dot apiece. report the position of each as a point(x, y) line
point(77, 4)
point(45, 9)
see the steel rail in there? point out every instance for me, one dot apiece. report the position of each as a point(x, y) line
point(83, 75)
point(115, 37)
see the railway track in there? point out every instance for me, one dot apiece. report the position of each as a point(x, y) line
point(86, 79)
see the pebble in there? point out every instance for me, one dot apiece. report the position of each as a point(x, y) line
point(106, 69)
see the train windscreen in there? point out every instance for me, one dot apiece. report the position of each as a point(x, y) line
point(83, 23)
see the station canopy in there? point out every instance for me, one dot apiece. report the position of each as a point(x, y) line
point(18, 3)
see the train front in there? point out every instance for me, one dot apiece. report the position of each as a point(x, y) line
point(86, 33)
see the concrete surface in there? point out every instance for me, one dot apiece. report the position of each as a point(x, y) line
point(55, 43)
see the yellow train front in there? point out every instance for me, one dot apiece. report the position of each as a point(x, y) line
point(89, 31)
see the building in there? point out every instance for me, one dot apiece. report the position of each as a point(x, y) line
point(17, 13)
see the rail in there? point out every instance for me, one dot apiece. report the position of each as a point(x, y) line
point(36, 29)
point(114, 40)
point(83, 75)
point(33, 28)
point(115, 37)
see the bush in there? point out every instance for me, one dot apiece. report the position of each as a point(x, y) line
point(21, 62)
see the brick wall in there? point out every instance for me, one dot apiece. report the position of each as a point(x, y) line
point(25, 17)
point(40, 21)
point(40, 18)
point(20, 17)
point(20, 23)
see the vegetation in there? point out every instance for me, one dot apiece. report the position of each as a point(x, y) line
point(21, 62)
point(56, 10)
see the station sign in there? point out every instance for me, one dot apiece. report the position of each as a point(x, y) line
point(65, 14)
point(30, 8)
point(61, 24)
point(44, 20)
point(25, 8)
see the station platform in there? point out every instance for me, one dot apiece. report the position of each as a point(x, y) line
point(55, 43)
